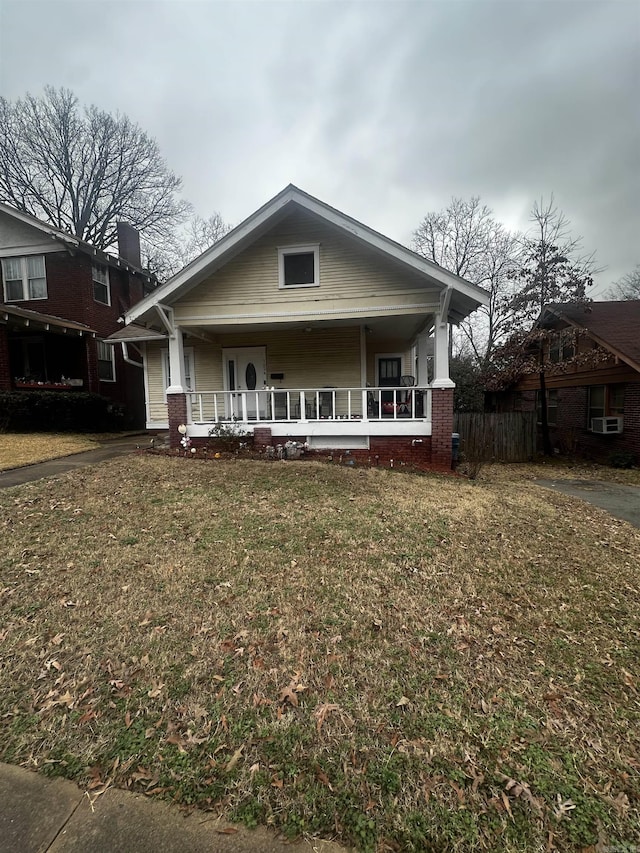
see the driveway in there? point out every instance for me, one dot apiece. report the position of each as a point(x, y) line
point(621, 501)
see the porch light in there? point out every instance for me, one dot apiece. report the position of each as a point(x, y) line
point(182, 429)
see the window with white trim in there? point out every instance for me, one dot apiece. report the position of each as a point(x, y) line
point(24, 278)
point(101, 289)
point(299, 266)
point(106, 362)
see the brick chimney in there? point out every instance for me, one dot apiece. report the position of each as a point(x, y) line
point(128, 243)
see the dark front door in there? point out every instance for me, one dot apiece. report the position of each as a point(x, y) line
point(389, 372)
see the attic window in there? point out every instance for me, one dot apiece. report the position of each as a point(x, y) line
point(299, 266)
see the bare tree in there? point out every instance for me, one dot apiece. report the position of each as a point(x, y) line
point(465, 239)
point(83, 170)
point(553, 271)
point(627, 287)
point(185, 245)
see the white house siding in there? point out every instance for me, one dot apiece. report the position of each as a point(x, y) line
point(351, 277)
point(157, 404)
point(317, 359)
point(18, 236)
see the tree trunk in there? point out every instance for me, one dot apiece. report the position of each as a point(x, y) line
point(544, 421)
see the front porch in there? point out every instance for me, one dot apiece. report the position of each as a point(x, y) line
point(382, 423)
point(42, 352)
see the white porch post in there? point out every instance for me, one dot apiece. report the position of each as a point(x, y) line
point(422, 344)
point(441, 378)
point(177, 406)
point(176, 363)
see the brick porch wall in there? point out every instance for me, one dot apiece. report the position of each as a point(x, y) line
point(384, 451)
point(177, 408)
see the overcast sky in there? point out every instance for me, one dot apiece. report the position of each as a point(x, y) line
point(384, 110)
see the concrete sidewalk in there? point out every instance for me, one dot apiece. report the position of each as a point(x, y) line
point(109, 450)
point(39, 814)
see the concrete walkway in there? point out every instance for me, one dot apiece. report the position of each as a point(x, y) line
point(109, 450)
point(39, 815)
point(621, 501)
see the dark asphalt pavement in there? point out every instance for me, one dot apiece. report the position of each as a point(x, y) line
point(618, 500)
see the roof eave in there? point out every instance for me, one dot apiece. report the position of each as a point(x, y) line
point(593, 335)
point(197, 270)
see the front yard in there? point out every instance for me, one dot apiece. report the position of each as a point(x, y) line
point(402, 662)
point(18, 449)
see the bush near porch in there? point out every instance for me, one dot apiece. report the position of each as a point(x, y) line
point(57, 411)
point(407, 662)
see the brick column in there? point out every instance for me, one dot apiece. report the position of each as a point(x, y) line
point(262, 437)
point(5, 368)
point(91, 377)
point(441, 427)
point(177, 408)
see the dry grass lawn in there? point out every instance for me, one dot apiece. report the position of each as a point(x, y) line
point(559, 469)
point(18, 449)
point(404, 662)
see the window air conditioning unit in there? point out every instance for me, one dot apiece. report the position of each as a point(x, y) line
point(606, 426)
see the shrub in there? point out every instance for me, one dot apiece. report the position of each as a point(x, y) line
point(621, 459)
point(57, 411)
point(228, 435)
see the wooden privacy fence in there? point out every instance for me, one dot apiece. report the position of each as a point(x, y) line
point(501, 436)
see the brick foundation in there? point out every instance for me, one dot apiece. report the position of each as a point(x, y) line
point(177, 408)
point(384, 451)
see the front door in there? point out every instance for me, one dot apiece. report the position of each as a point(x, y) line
point(389, 371)
point(245, 369)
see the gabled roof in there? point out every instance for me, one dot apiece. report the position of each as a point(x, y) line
point(466, 296)
point(613, 325)
point(133, 333)
point(71, 242)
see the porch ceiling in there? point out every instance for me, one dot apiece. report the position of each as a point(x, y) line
point(405, 326)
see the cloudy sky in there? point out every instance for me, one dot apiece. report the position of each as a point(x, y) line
point(384, 109)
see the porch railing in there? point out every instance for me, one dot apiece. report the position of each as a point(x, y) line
point(311, 404)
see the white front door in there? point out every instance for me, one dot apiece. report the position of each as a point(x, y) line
point(245, 369)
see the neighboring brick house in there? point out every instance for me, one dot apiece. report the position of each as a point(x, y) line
point(592, 379)
point(59, 299)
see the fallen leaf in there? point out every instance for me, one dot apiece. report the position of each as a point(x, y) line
point(322, 777)
point(67, 700)
point(321, 713)
point(234, 759)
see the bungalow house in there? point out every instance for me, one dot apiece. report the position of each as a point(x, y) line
point(60, 298)
point(592, 379)
point(302, 324)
